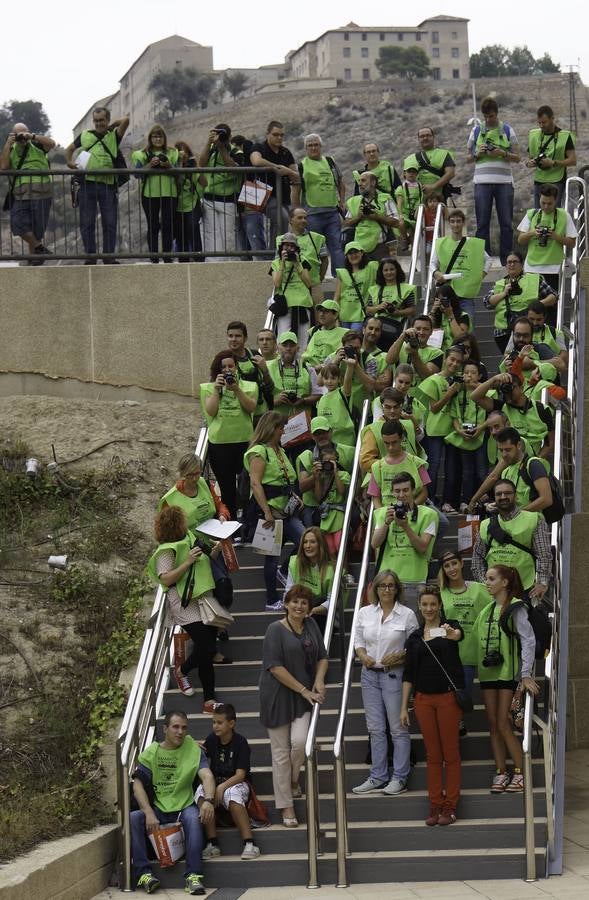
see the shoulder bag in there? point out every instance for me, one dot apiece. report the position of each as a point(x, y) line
point(463, 699)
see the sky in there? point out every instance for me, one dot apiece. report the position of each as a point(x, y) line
point(75, 54)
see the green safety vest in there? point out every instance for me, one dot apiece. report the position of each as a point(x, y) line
point(319, 183)
point(324, 342)
point(223, 184)
point(547, 336)
point(390, 293)
point(495, 135)
point(409, 442)
point(359, 392)
point(288, 378)
point(385, 176)
point(190, 192)
point(333, 406)
point(408, 197)
point(554, 146)
point(465, 607)
point(304, 463)
point(203, 576)
point(431, 390)
point(278, 472)
point(513, 473)
point(172, 773)
point(232, 424)
point(521, 528)
point(436, 159)
point(196, 509)
point(449, 339)
point(319, 587)
point(467, 412)
point(100, 158)
point(383, 473)
point(351, 307)
point(34, 158)
point(553, 253)
point(487, 635)
point(310, 243)
point(528, 423)
point(426, 354)
point(367, 232)
point(409, 565)
point(158, 184)
point(529, 283)
point(294, 289)
point(470, 261)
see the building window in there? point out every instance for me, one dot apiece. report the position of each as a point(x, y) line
point(347, 74)
point(400, 35)
point(436, 74)
point(364, 52)
point(435, 37)
point(454, 35)
point(381, 36)
point(436, 52)
point(346, 35)
point(366, 74)
point(455, 73)
point(347, 51)
point(455, 52)
point(418, 36)
point(364, 36)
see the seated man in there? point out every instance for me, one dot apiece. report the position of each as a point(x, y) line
point(372, 214)
point(163, 786)
point(533, 353)
point(325, 337)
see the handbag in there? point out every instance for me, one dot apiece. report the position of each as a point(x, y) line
point(213, 613)
point(278, 303)
point(256, 810)
point(517, 708)
point(463, 699)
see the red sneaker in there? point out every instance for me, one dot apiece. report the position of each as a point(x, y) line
point(447, 816)
point(183, 682)
point(209, 707)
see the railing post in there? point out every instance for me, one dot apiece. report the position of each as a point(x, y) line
point(530, 841)
point(125, 879)
point(341, 822)
point(312, 821)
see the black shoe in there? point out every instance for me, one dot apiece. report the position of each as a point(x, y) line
point(462, 729)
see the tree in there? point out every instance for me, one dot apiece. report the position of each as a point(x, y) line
point(235, 83)
point(410, 62)
point(521, 62)
point(181, 89)
point(496, 61)
point(546, 65)
point(30, 112)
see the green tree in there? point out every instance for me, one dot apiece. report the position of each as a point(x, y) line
point(181, 89)
point(546, 64)
point(410, 62)
point(521, 62)
point(30, 112)
point(489, 62)
point(235, 83)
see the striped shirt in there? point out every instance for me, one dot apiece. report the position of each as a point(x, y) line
point(492, 171)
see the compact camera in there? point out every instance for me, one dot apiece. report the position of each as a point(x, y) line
point(291, 396)
point(455, 379)
point(469, 427)
point(292, 505)
point(538, 158)
point(492, 659)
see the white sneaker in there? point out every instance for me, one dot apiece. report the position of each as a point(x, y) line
point(250, 851)
point(210, 851)
point(368, 786)
point(395, 786)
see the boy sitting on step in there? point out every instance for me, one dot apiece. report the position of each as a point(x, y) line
point(229, 756)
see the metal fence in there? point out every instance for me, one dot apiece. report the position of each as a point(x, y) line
point(87, 219)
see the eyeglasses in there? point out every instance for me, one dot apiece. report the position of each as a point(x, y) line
point(386, 587)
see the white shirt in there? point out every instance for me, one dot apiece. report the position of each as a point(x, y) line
point(380, 638)
point(552, 269)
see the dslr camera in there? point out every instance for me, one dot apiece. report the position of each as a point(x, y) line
point(367, 205)
point(222, 134)
point(401, 510)
point(20, 137)
point(229, 379)
point(350, 352)
point(506, 390)
point(413, 341)
point(456, 379)
point(514, 288)
point(291, 255)
point(492, 659)
point(543, 235)
point(291, 396)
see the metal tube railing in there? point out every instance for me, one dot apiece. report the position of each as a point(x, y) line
point(336, 606)
point(418, 249)
point(429, 281)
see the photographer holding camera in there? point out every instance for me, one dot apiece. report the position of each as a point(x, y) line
point(291, 383)
point(460, 263)
point(447, 315)
point(435, 166)
point(219, 209)
point(29, 196)
point(372, 214)
point(551, 150)
point(291, 300)
point(412, 347)
point(404, 535)
point(547, 232)
point(511, 295)
point(532, 353)
point(314, 465)
point(159, 191)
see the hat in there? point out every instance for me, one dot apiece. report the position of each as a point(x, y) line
point(287, 336)
point(410, 163)
point(289, 238)
point(320, 423)
point(329, 304)
point(353, 245)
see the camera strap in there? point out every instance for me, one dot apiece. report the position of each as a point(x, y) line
point(490, 621)
point(288, 279)
point(452, 685)
point(500, 536)
point(356, 287)
point(455, 255)
point(346, 402)
point(538, 215)
point(544, 145)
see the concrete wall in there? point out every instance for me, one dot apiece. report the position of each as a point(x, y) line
point(154, 327)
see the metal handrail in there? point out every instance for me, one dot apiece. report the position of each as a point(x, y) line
point(418, 249)
point(438, 231)
point(336, 605)
point(341, 818)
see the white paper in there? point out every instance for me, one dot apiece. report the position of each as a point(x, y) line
point(268, 541)
point(436, 338)
point(450, 276)
point(465, 537)
point(316, 388)
point(219, 530)
point(254, 192)
point(437, 632)
point(294, 428)
point(82, 159)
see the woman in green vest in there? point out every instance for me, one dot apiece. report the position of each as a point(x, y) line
point(468, 437)
point(502, 645)
point(447, 315)
point(352, 285)
point(185, 574)
point(312, 567)
point(159, 192)
point(291, 300)
point(228, 404)
point(391, 300)
point(188, 210)
point(511, 296)
point(274, 485)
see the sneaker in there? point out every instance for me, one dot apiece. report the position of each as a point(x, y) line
point(274, 607)
point(148, 882)
point(464, 508)
point(183, 682)
point(250, 851)
point(447, 816)
point(281, 578)
point(462, 729)
point(210, 851)
point(369, 786)
point(516, 785)
point(395, 786)
point(434, 815)
point(209, 707)
point(449, 509)
point(499, 783)
point(195, 885)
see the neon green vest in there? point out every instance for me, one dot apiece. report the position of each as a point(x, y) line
point(310, 243)
point(496, 136)
point(203, 576)
point(399, 555)
point(294, 289)
point(99, 157)
point(304, 463)
point(35, 158)
point(470, 261)
point(196, 509)
point(465, 607)
point(159, 184)
point(232, 424)
point(319, 587)
point(529, 424)
point(351, 308)
point(190, 192)
point(487, 635)
point(426, 354)
point(529, 282)
point(288, 378)
point(390, 293)
point(223, 184)
point(385, 177)
point(553, 253)
point(467, 412)
point(368, 233)
point(278, 472)
point(333, 407)
point(409, 196)
point(521, 529)
point(173, 773)
point(431, 390)
point(513, 473)
point(436, 159)
point(319, 186)
point(384, 472)
point(553, 148)
point(409, 442)
point(324, 342)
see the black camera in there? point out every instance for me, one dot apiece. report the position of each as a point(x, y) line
point(543, 235)
point(350, 352)
point(401, 510)
point(291, 396)
point(222, 133)
point(229, 379)
point(537, 159)
point(20, 138)
point(327, 465)
point(367, 205)
point(488, 146)
point(413, 341)
point(455, 379)
point(514, 288)
point(506, 390)
point(469, 427)
point(408, 404)
point(492, 659)
point(513, 355)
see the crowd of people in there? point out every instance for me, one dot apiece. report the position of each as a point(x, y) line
point(444, 437)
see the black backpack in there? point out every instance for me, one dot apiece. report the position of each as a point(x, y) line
point(540, 622)
point(556, 510)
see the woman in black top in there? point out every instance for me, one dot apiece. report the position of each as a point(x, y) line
point(433, 646)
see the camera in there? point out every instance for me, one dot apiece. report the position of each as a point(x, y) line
point(292, 505)
point(327, 465)
point(291, 396)
point(413, 341)
point(222, 133)
point(455, 379)
point(400, 510)
point(513, 355)
point(408, 404)
point(488, 146)
point(20, 138)
point(292, 255)
point(514, 288)
point(492, 659)
point(350, 352)
point(537, 159)
point(469, 427)
point(506, 390)
point(229, 379)
point(445, 301)
point(543, 235)
point(367, 206)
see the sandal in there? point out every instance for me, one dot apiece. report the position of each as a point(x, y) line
point(290, 822)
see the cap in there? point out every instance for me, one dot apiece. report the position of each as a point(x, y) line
point(289, 238)
point(329, 304)
point(410, 163)
point(353, 245)
point(320, 423)
point(287, 336)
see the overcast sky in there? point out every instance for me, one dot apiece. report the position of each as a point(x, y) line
point(69, 55)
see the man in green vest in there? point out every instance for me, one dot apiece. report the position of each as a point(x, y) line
point(435, 166)
point(28, 196)
point(323, 194)
point(164, 783)
point(460, 262)
point(514, 538)
point(310, 463)
point(547, 232)
point(412, 347)
point(547, 335)
point(101, 146)
point(372, 215)
point(386, 174)
point(532, 351)
point(551, 151)
point(324, 338)
point(219, 203)
point(313, 248)
point(291, 383)
point(370, 373)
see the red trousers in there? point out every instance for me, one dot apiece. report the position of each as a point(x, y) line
point(438, 716)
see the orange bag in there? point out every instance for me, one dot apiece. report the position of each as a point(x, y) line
point(168, 843)
point(180, 641)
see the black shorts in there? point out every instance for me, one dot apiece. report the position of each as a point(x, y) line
point(498, 685)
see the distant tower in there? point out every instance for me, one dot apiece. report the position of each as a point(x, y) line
point(572, 98)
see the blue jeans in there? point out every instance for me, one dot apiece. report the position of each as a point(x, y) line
point(467, 306)
point(96, 195)
point(352, 326)
point(193, 835)
point(474, 470)
point(381, 696)
point(293, 531)
point(469, 673)
point(502, 194)
point(253, 225)
point(329, 225)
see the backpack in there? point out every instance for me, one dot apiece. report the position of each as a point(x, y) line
point(477, 131)
point(540, 622)
point(556, 510)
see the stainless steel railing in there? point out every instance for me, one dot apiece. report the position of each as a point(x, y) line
point(418, 255)
point(336, 607)
point(429, 281)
